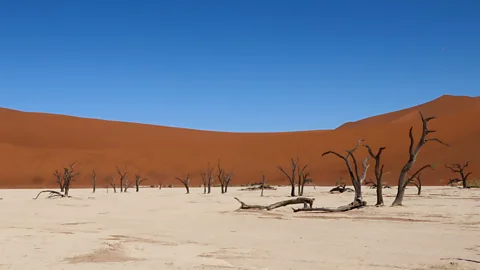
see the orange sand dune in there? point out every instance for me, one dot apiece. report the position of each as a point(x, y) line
point(33, 145)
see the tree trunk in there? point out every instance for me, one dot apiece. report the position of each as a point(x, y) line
point(263, 185)
point(299, 185)
point(399, 198)
point(188, 189)
point(292, 193)
point(379, 193)
point(225, 188)
point(209, 189)
point(358, 194)
point(204, 188)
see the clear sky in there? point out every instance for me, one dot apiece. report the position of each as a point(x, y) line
point(245, 65)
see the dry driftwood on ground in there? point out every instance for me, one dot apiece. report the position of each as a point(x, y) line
point(298, 200)
point(344, 208)
point(340, 189)
point(258, 187)
point(51, 194)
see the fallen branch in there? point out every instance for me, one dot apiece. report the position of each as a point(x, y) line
point(348, 207)
point(259, 187)
point(340, 189)
point(52, 194)
point(298, 200)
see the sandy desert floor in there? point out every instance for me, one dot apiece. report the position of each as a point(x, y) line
point(166, 229)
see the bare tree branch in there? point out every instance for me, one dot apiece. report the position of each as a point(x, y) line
point(298, 200)
point(460, 169)
point(378, 172)
point(413, 153)
point(122, 178)
point(224, 178)
point(357, 180)
point(138, 181)
point(291, 178)
point(111, 182)
point(186, 182)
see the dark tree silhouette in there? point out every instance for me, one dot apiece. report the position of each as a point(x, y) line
point(413, 153)
point(460, 169)
point(378, 172)
point(138, 181)
point(186, 182)
point(291, 178)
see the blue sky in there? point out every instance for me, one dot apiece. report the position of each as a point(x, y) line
point(236, 65)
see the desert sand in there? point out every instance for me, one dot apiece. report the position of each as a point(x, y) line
point(34, 145)
point(167, 229)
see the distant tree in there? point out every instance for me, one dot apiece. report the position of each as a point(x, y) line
point(207, 178)
point(94, 178)
point(122, 179)
point(460, 169)
point(186, 182)
point(138, 181)
point(224, 178)
point(291, 177)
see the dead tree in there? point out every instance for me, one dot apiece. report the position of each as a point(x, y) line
point(68, 176)
point(122, 178)
point(308, 202)
point(415, 178)
point(291, 178)
point(59, 178)
point(413, 153)
point(227, 179)
point(224, 178)
point(355, 176)
point(418, 183)
point(127, 184)
point(378, 172)
point(111, 182)
point(204, 181)
point(186, 182)
point(301, 175)
point(94, 178)
point(263, 185)
point(207, 178)
point(305, 180)
point(460, 169)
point(138, 181)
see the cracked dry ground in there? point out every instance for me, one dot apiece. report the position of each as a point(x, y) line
point(166, 229)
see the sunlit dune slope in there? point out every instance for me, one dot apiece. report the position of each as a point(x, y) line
point(33, 145)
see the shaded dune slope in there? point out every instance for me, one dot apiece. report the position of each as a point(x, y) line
point(33, 145)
